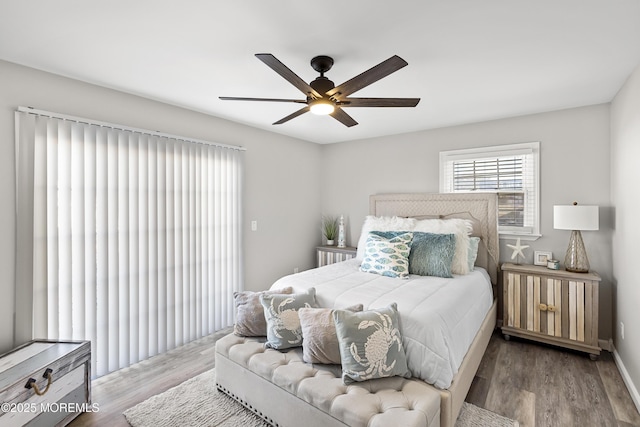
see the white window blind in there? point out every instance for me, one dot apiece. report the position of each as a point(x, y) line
point(511, 171)
point(130, 239)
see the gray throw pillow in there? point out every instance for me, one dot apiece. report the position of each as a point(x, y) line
point(319, 339)
point(283, 322)
point(250, 321)
point(370, 344)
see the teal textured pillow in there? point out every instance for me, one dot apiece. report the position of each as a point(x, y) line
point(432, 254)
point(387, 256)
point(283, 322)
point(474, 242)
point(370, 344)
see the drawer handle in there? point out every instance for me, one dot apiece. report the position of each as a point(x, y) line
point(545, 307)
point(31, 383)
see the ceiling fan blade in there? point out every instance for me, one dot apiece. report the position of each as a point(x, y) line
point(234, 98)
point(343, 117)
point(288, 75)
point(292, 115)
point(372, 75)
point(379, 102)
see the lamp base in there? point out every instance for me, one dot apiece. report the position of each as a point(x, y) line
point(576, 259)
point(576, 270)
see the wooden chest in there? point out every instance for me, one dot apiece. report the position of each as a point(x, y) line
point(552, 306)
point(61, 372)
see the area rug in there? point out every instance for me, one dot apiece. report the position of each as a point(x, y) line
point(198, 403)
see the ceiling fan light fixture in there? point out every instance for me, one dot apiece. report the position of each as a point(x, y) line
point(322, 107)
point(325, 98)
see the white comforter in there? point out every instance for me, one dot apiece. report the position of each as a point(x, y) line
point(439, 318)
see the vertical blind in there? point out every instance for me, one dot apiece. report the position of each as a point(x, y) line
point(511, 172)
point(130, 239)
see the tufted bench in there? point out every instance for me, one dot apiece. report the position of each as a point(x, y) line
point(285, 391)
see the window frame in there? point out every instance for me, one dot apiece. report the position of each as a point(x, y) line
point(495, 151)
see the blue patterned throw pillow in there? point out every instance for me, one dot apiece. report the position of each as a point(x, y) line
point(387, 256)
point(370, 344)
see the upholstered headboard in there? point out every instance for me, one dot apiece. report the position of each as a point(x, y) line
point(480, 208)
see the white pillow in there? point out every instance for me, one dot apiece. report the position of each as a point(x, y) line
point(461, 229)
point(382, 223)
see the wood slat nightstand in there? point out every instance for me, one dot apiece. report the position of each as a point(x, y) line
point(332, 254)
point(551, 306)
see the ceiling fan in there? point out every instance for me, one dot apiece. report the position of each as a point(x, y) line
point(323, 97)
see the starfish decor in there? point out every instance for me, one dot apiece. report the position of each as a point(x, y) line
point(517, 250)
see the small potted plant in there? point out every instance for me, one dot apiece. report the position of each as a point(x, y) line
point(330, 228)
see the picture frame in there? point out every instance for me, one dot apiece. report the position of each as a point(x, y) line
point(541, 257)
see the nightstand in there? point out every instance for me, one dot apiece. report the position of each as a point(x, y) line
point(331, 254)
point(551, 306)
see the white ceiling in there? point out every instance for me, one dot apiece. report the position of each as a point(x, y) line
point(469, 60)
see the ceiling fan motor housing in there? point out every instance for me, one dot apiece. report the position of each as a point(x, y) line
point(322, 85)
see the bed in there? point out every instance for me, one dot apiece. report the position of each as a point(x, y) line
point(443, 360)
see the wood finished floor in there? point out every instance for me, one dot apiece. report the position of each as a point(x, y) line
point(540, 385)
point(120, 390)
point(537, 385)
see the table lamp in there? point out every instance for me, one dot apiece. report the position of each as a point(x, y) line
point(576, 218)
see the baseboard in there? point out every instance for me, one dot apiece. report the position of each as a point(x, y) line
point(633, 391)
point(606, 345)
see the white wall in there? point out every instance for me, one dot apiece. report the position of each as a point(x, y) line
point(284, 176)
point(281, 174)
point(625, 176)
point(574, 157)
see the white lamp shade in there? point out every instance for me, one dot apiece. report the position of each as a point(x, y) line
point(575, 217)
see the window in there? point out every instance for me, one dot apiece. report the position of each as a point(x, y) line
point(128, 238)
point(511, 171)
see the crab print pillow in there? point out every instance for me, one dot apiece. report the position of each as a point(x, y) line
point(283, 322)
point(370, 344)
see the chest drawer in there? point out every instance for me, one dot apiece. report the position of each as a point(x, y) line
point(45, 383)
